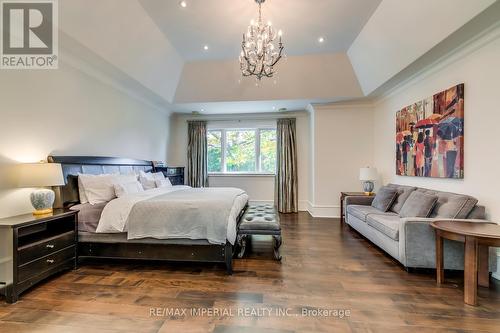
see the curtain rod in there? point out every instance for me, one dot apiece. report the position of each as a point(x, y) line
point(239, 120)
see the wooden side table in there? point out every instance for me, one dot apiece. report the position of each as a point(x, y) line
point(32, 248)
point(478, 237)
point(343, 195)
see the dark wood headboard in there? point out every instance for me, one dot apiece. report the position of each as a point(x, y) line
point(96, 165)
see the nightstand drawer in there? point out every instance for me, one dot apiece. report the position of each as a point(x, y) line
point(174, 171)
point(41, 265)
point(45, 247)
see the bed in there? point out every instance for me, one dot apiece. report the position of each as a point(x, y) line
point(92, 244)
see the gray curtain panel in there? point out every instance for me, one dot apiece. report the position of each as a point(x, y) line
point(286, 173)
point(197, 154)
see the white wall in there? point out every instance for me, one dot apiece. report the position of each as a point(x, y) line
point(259, 188)
point(477, 67)
point(65, 112)
point(341, 143)
point(480, 72)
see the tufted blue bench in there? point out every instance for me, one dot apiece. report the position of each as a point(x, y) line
point(260, 219)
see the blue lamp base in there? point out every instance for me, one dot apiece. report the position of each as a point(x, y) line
point(42, 200)
point(368, 187)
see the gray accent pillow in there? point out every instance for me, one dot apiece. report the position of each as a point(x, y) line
point(403, 194)
point(418, 204)
point(384, 198)
point(451, 205)
point(478, 212)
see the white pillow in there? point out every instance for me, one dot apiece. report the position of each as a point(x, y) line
point(132, 187)
point(158, 176)
point(126, 178)
point(163, 183)
point(152, 175)
point(148, 179)
point(81, 192)
point(98, 188)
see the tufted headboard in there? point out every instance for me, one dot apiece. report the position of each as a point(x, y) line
point(73, 165)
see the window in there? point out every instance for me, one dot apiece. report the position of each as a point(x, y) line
point(214, 142)
point(242, 150)
point(268, 151)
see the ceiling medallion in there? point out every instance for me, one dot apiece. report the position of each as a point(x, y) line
point(259, 53)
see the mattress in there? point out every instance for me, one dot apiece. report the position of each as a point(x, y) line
point(88, 216)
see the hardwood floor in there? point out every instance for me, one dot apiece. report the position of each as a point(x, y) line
point(323, 267)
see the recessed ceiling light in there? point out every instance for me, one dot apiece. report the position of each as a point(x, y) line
point(321, 39)
point(183, 4)
point(205, 47)
point(274, 108)
point(202, 110)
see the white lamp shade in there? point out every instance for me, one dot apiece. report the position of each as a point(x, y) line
point(368, 174)
point(40, 175)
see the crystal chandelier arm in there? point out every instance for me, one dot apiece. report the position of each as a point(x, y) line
point(279, 55)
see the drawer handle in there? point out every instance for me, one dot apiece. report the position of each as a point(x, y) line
point(50, 261)
point(50, 246)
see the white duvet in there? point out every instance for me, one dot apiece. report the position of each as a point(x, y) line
point(176, 212)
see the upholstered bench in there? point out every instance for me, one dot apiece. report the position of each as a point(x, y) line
point(260, 219)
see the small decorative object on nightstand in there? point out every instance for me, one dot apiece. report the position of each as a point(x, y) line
point(32, 248)
point(41, 175)
point(368, 175)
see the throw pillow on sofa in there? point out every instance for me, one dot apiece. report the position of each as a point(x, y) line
point(403, 194)
point(384, 198)
point(418, 204)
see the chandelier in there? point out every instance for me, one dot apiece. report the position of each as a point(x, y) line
point(259, 53)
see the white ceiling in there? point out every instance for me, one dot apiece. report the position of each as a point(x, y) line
point(221, 23)
point(149, 47)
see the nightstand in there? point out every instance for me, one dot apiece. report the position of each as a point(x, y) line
point(343, 195)
point(175, 174)
point(33, 248)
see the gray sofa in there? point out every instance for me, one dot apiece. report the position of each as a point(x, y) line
point(411, 240)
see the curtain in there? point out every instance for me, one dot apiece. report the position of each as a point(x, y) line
point(286, 173)
point(197, 154)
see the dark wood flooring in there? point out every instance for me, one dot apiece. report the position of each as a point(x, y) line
point(324, 267)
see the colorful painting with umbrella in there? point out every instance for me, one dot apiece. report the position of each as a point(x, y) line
point(430, 136)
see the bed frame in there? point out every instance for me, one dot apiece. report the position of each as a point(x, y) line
point(181, 250)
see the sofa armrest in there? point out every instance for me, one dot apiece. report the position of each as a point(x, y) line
point(417, 243)
point(363, 200)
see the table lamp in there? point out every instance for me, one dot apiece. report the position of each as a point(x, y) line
point(368, 175)
point(41, 175)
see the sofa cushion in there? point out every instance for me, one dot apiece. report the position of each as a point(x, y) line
point(478, 213)
point(418, 204)
point(451, 205)
point(361, 211)
point(403, 194)
point(387, 224)
point(384, 198)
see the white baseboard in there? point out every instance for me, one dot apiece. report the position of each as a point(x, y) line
point(302, 205)
point(323, 210)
